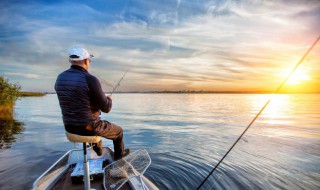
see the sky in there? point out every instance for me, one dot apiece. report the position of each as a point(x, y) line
point(209, 45)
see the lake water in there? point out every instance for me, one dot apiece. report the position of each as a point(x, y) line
point(185, 135)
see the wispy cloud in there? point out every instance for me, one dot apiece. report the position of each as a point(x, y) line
point(24, 75)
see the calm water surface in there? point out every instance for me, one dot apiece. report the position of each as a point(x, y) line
point(185, 135)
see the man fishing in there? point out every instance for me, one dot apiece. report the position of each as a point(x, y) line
point(82, 99)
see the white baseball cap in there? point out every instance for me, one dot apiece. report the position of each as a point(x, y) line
point(77, 53)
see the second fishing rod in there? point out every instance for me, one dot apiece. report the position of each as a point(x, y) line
point(118, 84)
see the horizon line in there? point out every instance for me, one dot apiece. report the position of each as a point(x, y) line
point(191, 92)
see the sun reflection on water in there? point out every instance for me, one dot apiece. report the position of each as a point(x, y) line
point(276, 119)
point(276, 110)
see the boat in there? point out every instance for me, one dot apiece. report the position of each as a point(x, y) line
point(69, 172)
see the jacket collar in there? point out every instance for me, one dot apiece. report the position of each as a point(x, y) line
point(78, 68)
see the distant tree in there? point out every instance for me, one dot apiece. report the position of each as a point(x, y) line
point(8, 125)
point(8, 96)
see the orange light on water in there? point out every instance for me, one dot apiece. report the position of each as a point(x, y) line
point(275, 109)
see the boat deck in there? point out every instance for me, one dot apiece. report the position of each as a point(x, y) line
point(65, 183)
point(128, 171)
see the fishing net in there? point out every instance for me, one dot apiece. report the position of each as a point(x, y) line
point(119, 172)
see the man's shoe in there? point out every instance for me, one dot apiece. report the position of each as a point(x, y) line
point(125, 153)
point(97, 147)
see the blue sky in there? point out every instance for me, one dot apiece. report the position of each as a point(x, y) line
point(167, 45)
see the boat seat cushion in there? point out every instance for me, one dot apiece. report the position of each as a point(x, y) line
point(78, 138)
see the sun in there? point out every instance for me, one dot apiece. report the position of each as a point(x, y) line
point(297, 77)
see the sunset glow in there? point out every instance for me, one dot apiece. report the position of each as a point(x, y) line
point(298, 77)
point(207, 45)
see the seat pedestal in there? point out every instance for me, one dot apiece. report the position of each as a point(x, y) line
point(84, 139)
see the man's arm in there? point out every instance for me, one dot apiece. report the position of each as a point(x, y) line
point(97, 95)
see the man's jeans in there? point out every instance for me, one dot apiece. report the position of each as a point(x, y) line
point(113, 132)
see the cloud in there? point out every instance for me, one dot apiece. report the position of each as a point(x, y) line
point(24, 75)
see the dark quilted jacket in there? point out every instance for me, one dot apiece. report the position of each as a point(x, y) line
point(81, 99)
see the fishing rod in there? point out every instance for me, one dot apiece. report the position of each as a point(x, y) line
point(261, 110)
point(119, 82)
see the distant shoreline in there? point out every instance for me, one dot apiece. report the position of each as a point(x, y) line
point(28, 94)
point(194, 92)
point(212, 92)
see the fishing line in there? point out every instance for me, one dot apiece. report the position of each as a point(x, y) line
point(106, 83)
point(258, 114)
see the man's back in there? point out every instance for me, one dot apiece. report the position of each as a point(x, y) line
point(73, 93)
